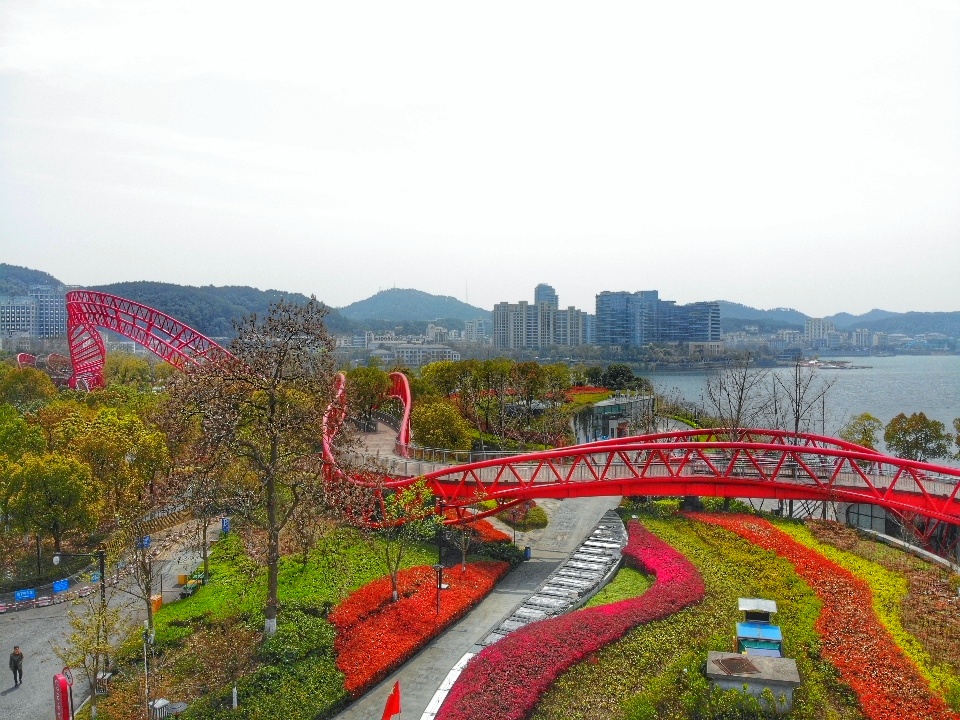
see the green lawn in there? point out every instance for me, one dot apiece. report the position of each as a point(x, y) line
point(206, 642)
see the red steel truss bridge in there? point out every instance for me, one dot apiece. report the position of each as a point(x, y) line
point(164, 336)
point(745, 463)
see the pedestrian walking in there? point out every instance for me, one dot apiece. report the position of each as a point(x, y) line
point(16, 664)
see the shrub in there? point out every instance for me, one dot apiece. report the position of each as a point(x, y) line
point(506, 679)
point(504, 551)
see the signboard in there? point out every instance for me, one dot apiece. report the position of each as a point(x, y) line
point(21, 595)
point(94, 577)
point(61, 698)
point(225, 525)
point(143, 543)
point(61, 585)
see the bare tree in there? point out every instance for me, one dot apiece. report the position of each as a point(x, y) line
point(796, 395)
point(735, 397)
point(262, 409)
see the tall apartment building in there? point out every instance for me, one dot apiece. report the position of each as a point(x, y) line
point(522, 325)
point(817, 329)
point(544, 293)
point(40, 314)
point(475, 330)
point(862, 337)
point(639, 318)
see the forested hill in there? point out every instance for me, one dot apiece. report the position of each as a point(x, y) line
point(16, 280)
point(398, 304)
point(212, 310)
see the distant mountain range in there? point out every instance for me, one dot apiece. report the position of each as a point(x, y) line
point(212, 310)
point(734, 316)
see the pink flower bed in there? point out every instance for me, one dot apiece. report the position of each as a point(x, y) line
point(505, 680)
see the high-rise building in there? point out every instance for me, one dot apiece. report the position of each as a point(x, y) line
point(544, 293)
point(51, 310)
point(18, 315)
point(817, 329)
point(40, 314)
point(522, 325)
point(639, 318)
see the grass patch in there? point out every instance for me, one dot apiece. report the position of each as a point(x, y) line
point(207, 642)
point(627, 583)
point(657, 668)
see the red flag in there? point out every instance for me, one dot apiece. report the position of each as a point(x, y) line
point(393, 703)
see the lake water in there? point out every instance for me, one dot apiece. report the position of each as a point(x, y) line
point(889, 386)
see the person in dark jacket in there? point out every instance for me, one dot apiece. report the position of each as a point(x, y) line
point(16, 664)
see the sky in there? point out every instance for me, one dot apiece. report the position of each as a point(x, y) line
point(801, 155)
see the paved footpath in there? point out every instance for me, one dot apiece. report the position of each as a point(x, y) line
point(570, 522)
point(38, 629)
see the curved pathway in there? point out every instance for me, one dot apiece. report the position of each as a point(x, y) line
point(570, 522)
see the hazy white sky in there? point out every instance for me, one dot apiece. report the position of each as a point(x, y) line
point(771, 153)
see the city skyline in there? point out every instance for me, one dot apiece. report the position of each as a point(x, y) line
point(745, 152)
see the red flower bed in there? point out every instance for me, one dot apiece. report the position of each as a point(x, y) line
point(484, 531)
point(585, 390)
point(506, 679)
point(854, 640)
point(374, 635)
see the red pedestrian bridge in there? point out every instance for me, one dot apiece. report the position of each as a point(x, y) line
point(742, 463)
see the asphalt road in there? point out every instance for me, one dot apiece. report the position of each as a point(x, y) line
point(38, 630)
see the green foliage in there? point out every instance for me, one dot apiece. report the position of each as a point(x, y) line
point(862, 430)
point(17, 280)
point(718, 504)
point(506, 551)
point(657, 508)
point(367, 389)
point(26, 388)
point(51, 495)
point(17, 437)
point(917, 437)
point(439, 424)
point(126, 369)
point(627, 583)
point(213, 310)
point(294, 674)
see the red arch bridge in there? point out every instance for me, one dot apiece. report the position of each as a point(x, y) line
point(752, 463)
point(748, 463)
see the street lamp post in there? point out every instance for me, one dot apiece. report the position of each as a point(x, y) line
point(439, 570)
point(439, 564)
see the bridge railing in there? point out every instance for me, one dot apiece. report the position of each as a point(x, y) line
point(441, 456)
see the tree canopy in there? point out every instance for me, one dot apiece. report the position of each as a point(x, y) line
point(917, 437)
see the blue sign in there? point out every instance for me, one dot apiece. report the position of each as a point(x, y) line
point(143, 543)
point(94, 577)
point(61, 585)
point(225, 525)
point(21, 595)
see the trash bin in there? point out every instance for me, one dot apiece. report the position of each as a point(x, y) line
point(527, 553)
